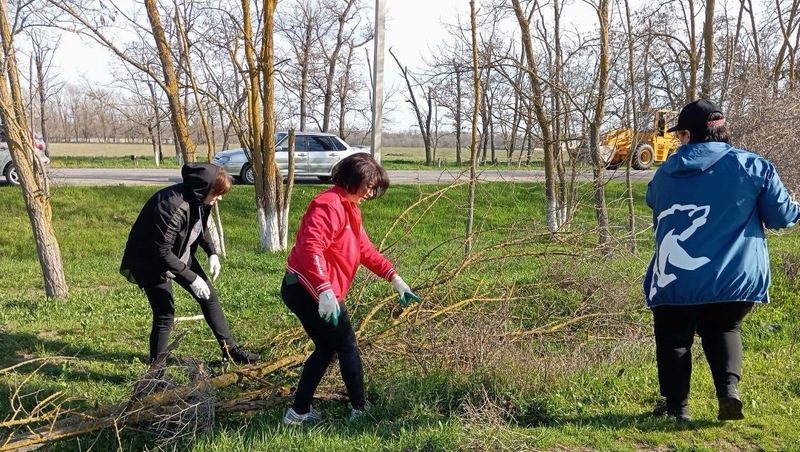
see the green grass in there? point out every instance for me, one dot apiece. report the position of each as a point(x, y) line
point(455, 387)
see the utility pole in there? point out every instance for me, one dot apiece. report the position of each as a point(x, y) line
point(377, 79)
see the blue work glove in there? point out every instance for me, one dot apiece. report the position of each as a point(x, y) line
point(328, 307)
point(405, 293)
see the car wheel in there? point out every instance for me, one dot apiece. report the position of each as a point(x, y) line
point(11, 174)
point(248, 175)
point(324, 178)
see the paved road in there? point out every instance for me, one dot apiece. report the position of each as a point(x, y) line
point(111, 176)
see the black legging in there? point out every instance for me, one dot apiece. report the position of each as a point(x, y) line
point(163, 305)
point(328, 339)
point(719, 326)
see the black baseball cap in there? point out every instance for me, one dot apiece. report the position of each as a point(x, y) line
point(695, 115)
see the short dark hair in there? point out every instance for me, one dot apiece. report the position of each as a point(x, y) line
point(221, 184)
point(715, 130)
point(358, 170)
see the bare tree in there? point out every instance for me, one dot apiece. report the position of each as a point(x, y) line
point(297, 25)
point(424, 114)
point(33, 179)
point(537, 100)
point(272, 202)
point(345, 32)
point(42, 51)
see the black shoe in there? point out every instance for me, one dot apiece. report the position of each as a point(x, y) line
point(240, 356)
point(679, 411)
point(730, 409)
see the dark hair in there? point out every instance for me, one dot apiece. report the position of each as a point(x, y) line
point(716, 132)
point(358, 170)
point(221, 184)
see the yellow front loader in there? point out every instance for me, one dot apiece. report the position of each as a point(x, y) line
point(651, 145)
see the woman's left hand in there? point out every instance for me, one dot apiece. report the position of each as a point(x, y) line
point(406, 295)
point(214, 267)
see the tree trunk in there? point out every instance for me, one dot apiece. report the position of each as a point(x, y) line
point(42, 91)
point(708, 48)
point(179, 124)
point(601, 210)
point(261, 92)
point(33, 179)
point(541, 117)
point(332, 61)
point(635, 122)
point(305, 73)
point(457, 114)
point(476, 86)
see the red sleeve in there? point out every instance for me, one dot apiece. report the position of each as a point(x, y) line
point(373, 260)
point(320, 225)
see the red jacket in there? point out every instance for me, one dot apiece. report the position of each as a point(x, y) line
point(331, 243)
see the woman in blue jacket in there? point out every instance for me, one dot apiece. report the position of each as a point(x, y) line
point(711, 203)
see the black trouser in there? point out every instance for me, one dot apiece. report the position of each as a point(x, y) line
point(719, 326)
point(328, 339)
point(163, 305)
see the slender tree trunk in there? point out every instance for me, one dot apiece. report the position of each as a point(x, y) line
point(332, 61)
point(541, 117)
point(601, 210)
point(708, 49)
point(344, 91)
point(33, 180)
point(635, 123)
point(476, 86)
point(457, 114)
point(179, 124)
point(259, 136)
point(42, 90)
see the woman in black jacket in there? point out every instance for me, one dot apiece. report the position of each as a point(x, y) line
point(161, 245)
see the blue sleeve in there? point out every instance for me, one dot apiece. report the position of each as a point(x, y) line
point(776, 207)
point(648, 197)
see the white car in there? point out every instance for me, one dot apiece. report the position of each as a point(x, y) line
point(316, 154)
point(7, 166)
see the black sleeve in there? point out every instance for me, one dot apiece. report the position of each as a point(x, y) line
point(168, 225)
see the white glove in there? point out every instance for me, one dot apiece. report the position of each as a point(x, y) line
point(214, 266)
point(200, 289)
point(328, 307)
point(404, 291)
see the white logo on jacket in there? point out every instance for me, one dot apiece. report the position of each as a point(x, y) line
point(669, 250)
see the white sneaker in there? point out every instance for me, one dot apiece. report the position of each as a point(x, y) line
point(293, 418)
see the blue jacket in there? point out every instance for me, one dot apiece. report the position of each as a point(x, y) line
point(711, 203)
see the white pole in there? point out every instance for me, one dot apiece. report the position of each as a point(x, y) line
point(377, 79)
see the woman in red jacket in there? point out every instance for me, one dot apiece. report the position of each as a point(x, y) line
point(331, 244)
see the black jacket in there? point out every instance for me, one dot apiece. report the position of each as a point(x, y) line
point(159, 235)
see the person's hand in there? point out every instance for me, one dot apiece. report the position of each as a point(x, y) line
point(214, 266)
point(328, 307)
point(405, 293)
point(200, 288)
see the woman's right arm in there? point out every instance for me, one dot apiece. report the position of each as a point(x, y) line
point(318, 228)
point(168, 225)
point(776, 207)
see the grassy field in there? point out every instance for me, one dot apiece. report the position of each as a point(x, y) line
point(101, 155)
point(513, 370)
